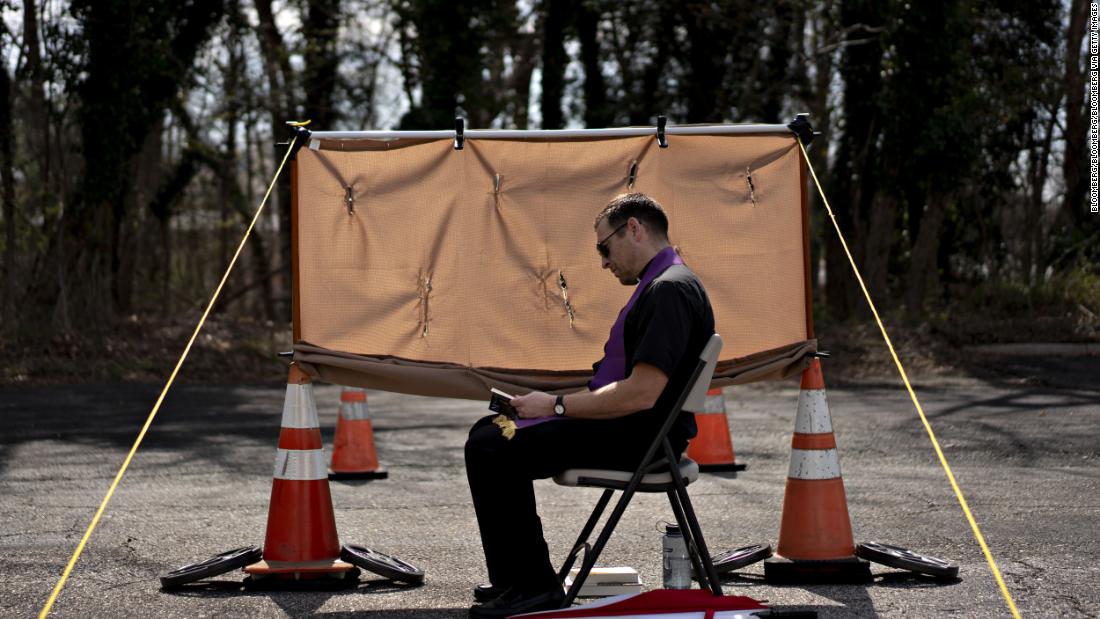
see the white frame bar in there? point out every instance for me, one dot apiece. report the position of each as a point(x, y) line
point(551, 134)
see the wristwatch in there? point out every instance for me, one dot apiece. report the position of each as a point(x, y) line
point(559, 406)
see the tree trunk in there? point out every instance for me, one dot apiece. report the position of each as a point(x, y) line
point(838, 274)
point(923, 278)
point(320, 31)
point(34, 76)
point(776, 69)
point(854, 173)
point(650, 101)
point(1035, 263)
point(880, 241)
point(234, 200)
point(526, 57)
point(7, 187)
point(821, 117)
point(597, 113)
point(554, 60)
point(704, 77)
point(281, 86)
point(38, 143)
point(133, 96)
point(130, 251)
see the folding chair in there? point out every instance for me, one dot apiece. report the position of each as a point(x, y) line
point(673, 481)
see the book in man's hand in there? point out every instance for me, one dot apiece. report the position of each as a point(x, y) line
point(500, 402)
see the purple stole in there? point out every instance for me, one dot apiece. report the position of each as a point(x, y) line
point(612, 367)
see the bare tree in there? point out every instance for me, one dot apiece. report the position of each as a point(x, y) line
point(7, 183)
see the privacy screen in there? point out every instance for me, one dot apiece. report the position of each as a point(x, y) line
point(424, 269)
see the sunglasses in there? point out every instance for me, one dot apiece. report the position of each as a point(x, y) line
point(602, 245)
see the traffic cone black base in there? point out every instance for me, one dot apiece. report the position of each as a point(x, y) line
point(340, 476)
point(721, 468)
point(847, 571)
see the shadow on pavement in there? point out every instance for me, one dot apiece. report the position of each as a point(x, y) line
point(1056, 372)
point(308, 602)
point(299, 603)
point(194, 419)
point(911, 580)
point(1020, 400)
point(853, 598)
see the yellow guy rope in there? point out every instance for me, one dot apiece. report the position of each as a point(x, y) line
point(156, 407)
point(913, 395)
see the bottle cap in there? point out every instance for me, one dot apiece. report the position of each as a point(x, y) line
point(672, 529)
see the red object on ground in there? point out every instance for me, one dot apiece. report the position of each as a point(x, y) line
point(658, 603)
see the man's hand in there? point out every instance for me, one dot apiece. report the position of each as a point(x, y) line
point(621, 398)
point(534, 405)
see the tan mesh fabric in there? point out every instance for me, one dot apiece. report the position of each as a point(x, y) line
point(445, 277)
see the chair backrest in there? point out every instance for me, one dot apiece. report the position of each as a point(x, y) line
point(697, 397)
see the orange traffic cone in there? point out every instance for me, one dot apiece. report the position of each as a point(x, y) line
point(353, 454)
point(815, 534)
point(301, 541)
point(712, 447)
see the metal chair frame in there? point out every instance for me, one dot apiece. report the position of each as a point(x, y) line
point(691, 398)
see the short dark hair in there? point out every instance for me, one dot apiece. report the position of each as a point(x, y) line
point(638, 205)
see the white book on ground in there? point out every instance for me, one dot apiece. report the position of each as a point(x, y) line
point(604, 581)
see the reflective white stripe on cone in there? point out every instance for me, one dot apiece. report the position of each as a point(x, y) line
point(300, 464)
point(299, 409)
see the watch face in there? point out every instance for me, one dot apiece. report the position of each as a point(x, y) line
point(559, 409)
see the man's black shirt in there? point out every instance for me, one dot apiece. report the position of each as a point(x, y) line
point(667, 327)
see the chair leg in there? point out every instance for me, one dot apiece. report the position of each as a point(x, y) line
point(700, 543)
point(586, 532)
point(693, 524)
point(601, 541)
point(689, 541)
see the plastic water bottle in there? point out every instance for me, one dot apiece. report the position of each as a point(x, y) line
point(676, 568)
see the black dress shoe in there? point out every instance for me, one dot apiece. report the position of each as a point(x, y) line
point(486, 592)
point(515, 602)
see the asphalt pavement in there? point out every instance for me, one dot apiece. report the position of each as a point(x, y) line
point(1022, 442)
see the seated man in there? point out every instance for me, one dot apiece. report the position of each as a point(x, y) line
point(648, 360)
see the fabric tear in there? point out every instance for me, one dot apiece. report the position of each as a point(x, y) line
point(425, 292)
point(752, 188)
point(633, 175)
point(349, 200)
point(565, 296)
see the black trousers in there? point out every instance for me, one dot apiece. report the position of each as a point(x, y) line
point(501, 471)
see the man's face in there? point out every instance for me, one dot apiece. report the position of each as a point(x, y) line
point(619, 251)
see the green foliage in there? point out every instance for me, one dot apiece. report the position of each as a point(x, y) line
point(1062, 294)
